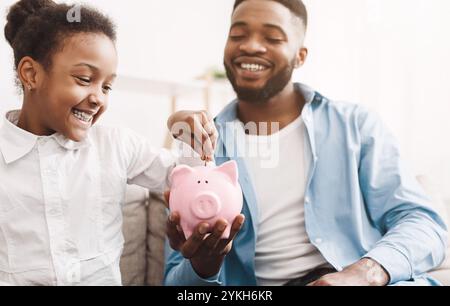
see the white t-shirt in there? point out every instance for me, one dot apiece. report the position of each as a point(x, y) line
point(279, 174)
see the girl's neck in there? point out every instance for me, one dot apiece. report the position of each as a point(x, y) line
point(29, 121)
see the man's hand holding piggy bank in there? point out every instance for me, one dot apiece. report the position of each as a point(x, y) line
point(205, 205)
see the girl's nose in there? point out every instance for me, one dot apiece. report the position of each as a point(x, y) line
point(95, 100)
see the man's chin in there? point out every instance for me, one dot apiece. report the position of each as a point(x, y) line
point(251, 95)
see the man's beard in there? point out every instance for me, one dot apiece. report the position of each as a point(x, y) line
point(272, 87)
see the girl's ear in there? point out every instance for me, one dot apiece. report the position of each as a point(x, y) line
point(29, 71)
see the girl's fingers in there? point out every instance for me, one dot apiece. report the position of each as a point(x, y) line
point(209, 134)
point(214, 137)
point(198, 130)
point(208, 148)
point(209, 128)
point(202, 137)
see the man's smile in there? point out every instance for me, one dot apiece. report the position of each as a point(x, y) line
point(251, 67)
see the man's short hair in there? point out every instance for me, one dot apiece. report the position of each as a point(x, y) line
point(297, 7)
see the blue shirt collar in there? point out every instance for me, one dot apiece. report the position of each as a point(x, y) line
point(229, 113)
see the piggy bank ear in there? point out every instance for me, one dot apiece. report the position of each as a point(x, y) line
point(231, 170)
point(179, 172)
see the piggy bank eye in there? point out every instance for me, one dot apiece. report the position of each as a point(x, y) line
point(198, 182)
point(206, 182)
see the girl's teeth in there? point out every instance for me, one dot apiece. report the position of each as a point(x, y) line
point(252, 67)
point(82, 116)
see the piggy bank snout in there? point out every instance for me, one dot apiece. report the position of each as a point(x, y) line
point(206, 205)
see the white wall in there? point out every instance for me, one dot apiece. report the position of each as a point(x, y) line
point(391, 55)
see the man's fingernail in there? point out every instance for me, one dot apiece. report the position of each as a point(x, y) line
point(203, 229)
point(222, 227)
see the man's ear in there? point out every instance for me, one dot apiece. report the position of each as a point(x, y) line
point(179, 172)
point(301, 57)
point(28, 71)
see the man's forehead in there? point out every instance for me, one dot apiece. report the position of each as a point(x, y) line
point(265, 12)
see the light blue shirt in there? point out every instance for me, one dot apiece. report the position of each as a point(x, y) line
point(360, 201)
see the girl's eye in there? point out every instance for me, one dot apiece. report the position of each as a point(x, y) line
point(107, 88)
point(84, 80)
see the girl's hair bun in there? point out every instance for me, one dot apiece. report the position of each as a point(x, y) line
point(20, 12)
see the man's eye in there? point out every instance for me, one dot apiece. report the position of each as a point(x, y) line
point(275, 40)
point(107, 88)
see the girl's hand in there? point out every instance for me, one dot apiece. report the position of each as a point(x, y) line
point(197, 129)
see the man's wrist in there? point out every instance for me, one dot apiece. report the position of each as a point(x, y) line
point(373, 272)
point(206, 269)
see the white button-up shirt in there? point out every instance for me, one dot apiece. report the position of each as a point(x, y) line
point(61, 202)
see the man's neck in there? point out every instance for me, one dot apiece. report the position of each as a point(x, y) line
point(283, 108)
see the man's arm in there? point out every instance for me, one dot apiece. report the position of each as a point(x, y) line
point(415, 236)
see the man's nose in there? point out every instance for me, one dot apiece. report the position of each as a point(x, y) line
point(253, 46)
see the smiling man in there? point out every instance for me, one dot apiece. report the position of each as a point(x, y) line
point(339, 208)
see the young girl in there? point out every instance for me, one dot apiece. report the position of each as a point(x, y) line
point(62, 180)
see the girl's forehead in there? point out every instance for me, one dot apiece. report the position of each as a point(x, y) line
point(96, 49)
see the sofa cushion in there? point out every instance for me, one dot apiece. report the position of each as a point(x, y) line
point(156, 235)
point(133, 262)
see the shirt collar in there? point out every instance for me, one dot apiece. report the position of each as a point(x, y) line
point(15, 142)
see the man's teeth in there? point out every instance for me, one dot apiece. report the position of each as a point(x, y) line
point(252, 67)
point(82, 116)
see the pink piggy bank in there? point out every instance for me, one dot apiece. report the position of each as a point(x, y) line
point(206, 194)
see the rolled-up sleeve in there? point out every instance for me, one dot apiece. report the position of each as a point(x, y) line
point(414, 234)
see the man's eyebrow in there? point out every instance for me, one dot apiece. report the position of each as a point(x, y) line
point(274, 26)
point(238, 24)
point(266, 25)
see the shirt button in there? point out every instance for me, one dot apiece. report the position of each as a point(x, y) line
point(307, 200)
point(318, 241)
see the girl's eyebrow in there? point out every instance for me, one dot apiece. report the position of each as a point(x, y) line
point(87, 65)
point(93, 68)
